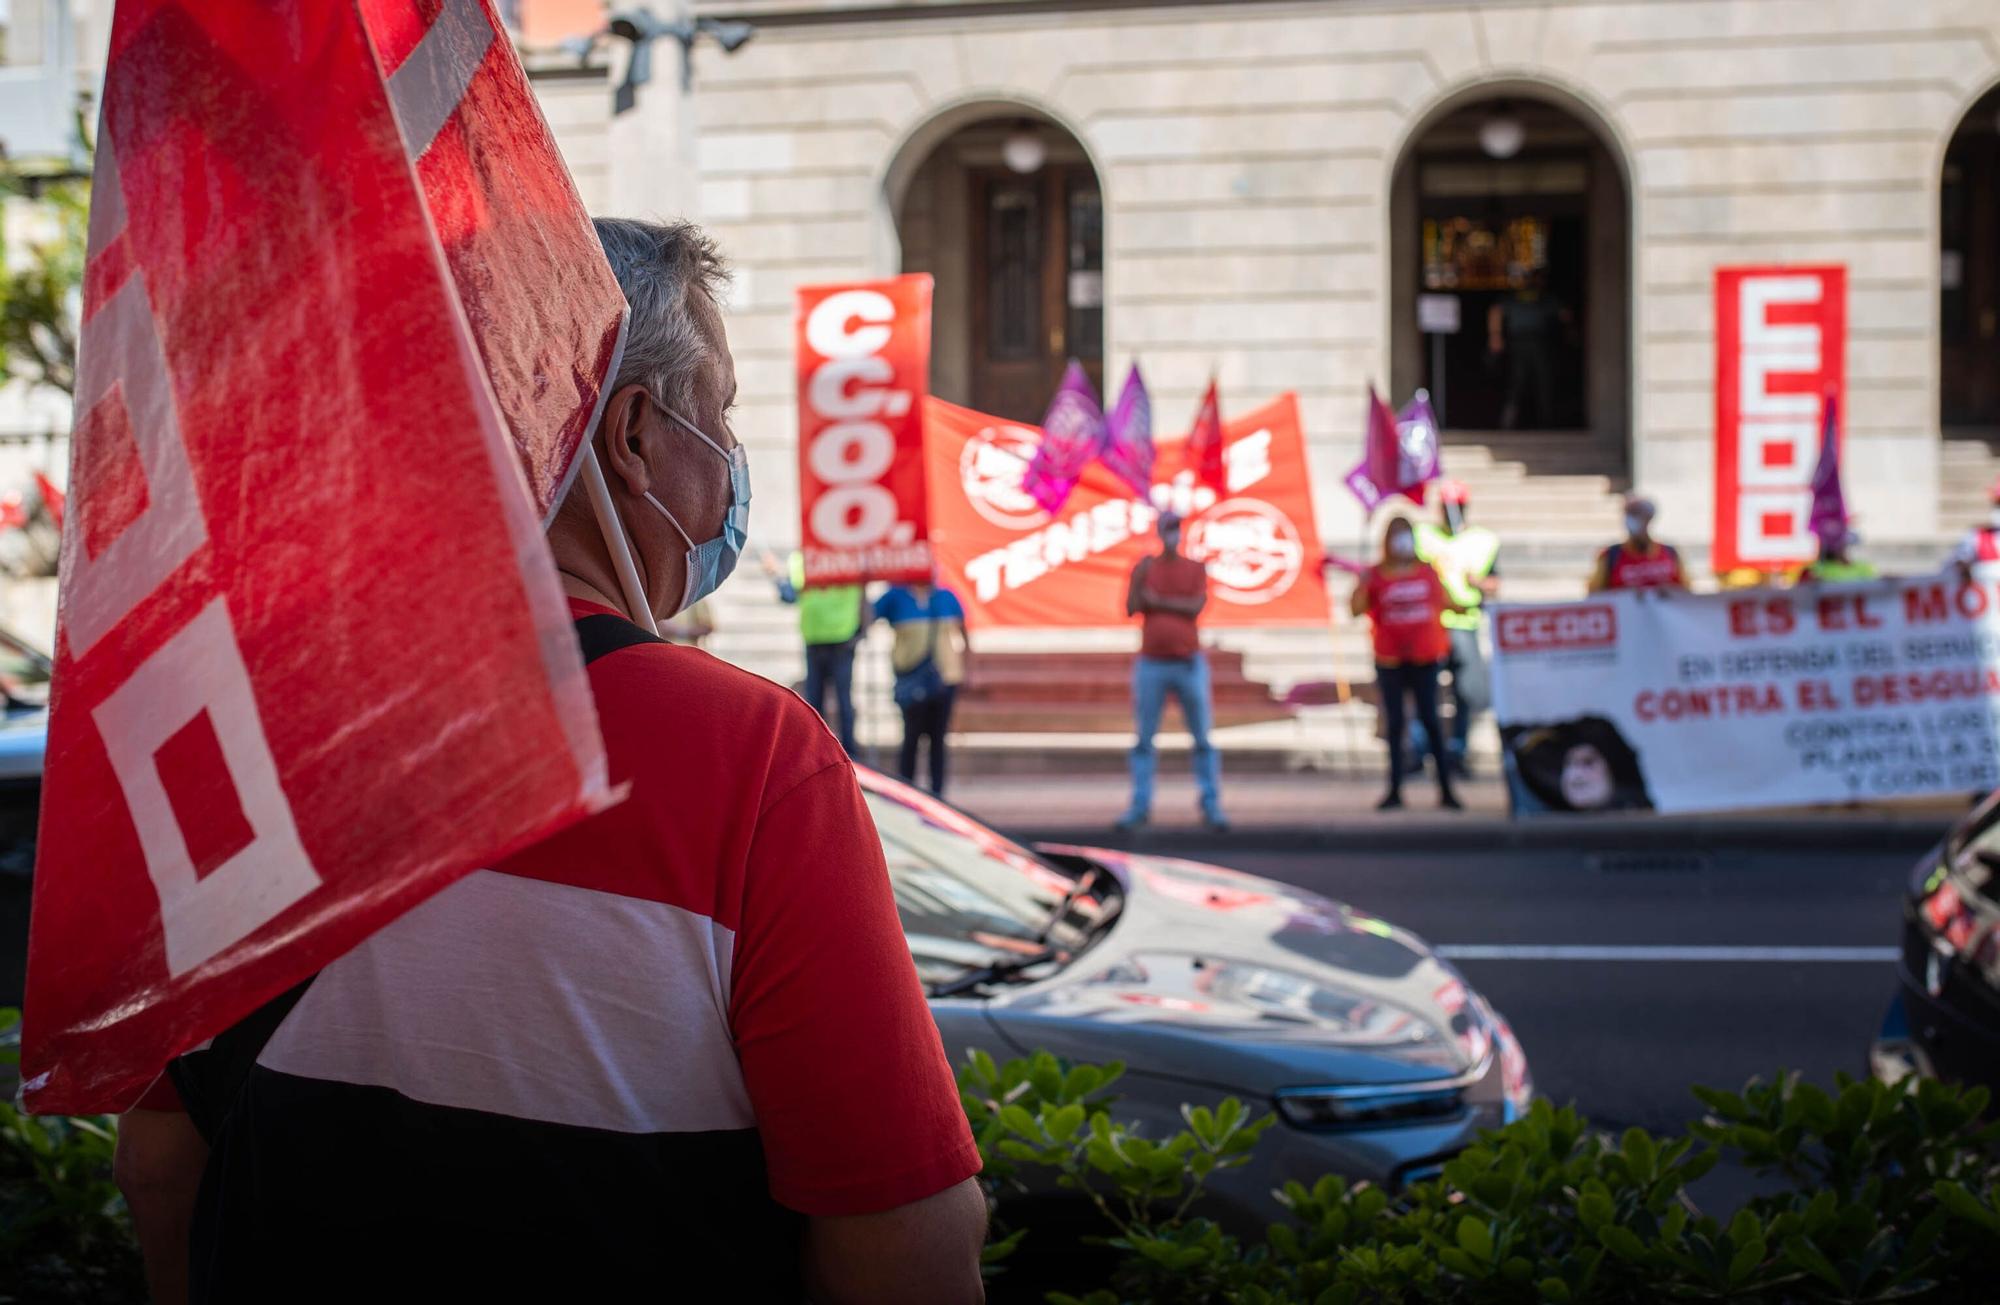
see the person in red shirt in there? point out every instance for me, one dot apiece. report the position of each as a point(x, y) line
point(1405, 602)
point(1638, 561)
point(1167, 592)
point(677, 1049)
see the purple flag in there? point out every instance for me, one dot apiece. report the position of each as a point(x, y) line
point(1364, 488)
point(1128, 438)
point(1417, 460)
point(1829, 504)
point(1072, 434)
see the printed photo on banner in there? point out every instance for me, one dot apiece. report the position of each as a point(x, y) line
point(1823, 693)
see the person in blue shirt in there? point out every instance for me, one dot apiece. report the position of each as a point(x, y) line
point(931, 657)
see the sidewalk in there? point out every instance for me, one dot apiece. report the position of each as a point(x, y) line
point(1314, 811)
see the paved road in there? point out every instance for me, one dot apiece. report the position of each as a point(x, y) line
point(1630, 978)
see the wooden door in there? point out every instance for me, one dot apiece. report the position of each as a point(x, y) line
point(1969, 282)
point(1037, 279)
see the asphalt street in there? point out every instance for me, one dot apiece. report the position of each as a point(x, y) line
point(1631, 975)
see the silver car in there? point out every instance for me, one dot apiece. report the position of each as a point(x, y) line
point(1377, 1055)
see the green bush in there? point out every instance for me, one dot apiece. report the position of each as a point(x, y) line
point(65, 1235)
point(1881, 1193)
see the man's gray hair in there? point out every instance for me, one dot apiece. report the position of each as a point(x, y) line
point(659, 265)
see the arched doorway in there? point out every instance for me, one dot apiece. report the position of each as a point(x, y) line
point(1006, 213)
point(1510, 273)
point(1969, 275)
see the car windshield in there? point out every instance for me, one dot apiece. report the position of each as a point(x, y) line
point(967, 896)
point(24, 671)
point(1977, 858)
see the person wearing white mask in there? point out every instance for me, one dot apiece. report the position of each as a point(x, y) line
point(1405, 601)
point(679, 1047)
point(1638, 561)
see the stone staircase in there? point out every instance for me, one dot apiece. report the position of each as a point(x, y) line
point(1968, 465)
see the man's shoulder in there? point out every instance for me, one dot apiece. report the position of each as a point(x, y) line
point(692, 701)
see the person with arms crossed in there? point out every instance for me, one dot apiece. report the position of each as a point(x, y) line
point(1167, 592)
point(1405, 602)
point(931, 657)
point(1638, 561)
point(677, 1050)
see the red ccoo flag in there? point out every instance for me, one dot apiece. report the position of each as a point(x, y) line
point(340, 343)
point(1204, 446)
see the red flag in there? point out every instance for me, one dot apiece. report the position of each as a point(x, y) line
point(313, 662)
point(1383, 452)
point(1204, 446)
point(52, 498)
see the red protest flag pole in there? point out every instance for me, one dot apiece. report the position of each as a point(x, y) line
point(1204, 446)
point(272, 729)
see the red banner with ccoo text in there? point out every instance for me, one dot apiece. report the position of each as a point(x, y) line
point(1013, 564)
point(864, 369)
point(1780, 350)
point(313, 661)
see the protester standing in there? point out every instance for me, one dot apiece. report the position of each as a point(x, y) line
point(1638, 561)
point(1982, 542)
point(1406, 601)
point(1167, 591)
point(677, 1047)
point(931, 658)
point(830, 621)
point(1467, 559)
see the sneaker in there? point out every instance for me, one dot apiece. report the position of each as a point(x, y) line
point(1449, 801)
point(1129, 822)
point(1390, 802)
point(1217, 822)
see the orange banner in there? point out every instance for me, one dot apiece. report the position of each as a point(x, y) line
point(1012, 564)
point(864, 368)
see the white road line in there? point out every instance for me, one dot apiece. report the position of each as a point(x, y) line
point(1590, 952)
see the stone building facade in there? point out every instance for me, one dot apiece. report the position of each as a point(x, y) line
point(1264, 190)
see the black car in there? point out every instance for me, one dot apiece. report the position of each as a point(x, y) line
point(1945, 1019)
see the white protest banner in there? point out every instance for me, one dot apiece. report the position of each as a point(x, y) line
point(1682, 702)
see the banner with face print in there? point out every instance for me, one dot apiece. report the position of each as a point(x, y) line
point(1664, 700)
point(313, 661)
point(1015, 564)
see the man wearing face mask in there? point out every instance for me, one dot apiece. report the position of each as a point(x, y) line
point(1638, 561)
point(1167, 592)
point(679, 1048)
point(1982, 542)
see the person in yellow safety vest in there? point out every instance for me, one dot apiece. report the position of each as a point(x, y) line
point(1836, 560)
point(1467, 558)
point(830, 621)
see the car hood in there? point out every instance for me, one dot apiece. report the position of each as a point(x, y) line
point(1225, 978)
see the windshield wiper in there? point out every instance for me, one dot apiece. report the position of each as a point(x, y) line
point(1076, 890)
point(995, 972)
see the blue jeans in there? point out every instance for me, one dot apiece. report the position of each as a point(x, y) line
point(1153, 678)
point(832, 665)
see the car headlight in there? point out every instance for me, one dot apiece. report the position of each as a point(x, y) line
point(1378, 1105)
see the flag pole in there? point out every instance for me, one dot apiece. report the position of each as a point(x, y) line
point(615, 542)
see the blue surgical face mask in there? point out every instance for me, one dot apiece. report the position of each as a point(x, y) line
point(710, 563)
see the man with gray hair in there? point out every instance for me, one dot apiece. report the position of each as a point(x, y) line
point(679, 1049)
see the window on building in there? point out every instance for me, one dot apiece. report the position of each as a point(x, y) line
point(21, 29)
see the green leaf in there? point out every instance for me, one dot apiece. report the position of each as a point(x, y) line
point(1804, 1255)
point(1749, 1255)
point(1555, 1290)
point(1475, 1238)
point(1063, 1124)
point(1018, 1121)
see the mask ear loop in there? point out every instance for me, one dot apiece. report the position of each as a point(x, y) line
point(615, 541)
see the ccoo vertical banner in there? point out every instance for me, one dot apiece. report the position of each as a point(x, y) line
point(1780, 349)
point(864, 368)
